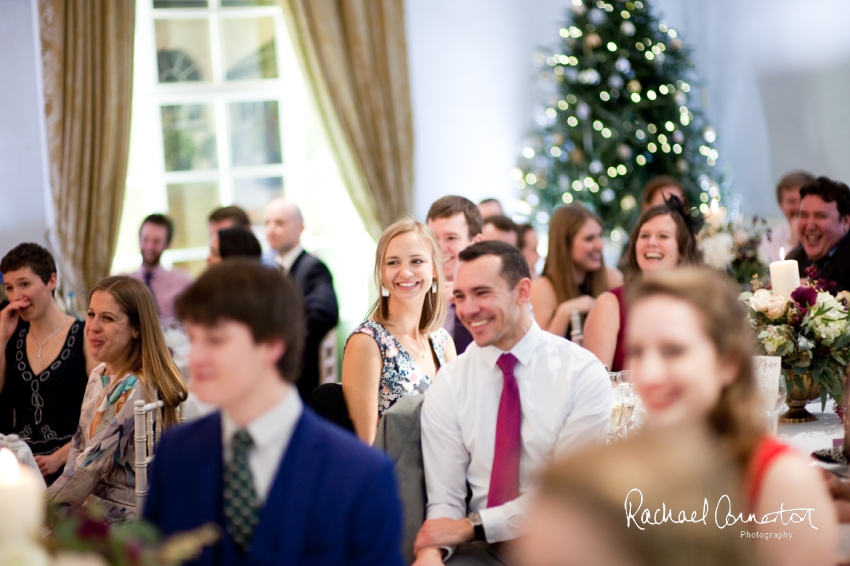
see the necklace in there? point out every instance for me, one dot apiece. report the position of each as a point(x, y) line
point(41, 344)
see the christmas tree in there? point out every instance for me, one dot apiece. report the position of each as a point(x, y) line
point(619, 114)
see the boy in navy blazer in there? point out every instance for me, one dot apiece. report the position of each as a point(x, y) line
point(283, 486)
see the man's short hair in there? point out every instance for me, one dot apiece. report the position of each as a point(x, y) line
point(514, 265)
point(501, 223)
point(451, 205)
point(792, 180)
point(238, 242)
point(657, 183)
point(829, 191)
point(257, 296)
point(160, 220)
point(233, 213)
point(521, 231)
point(29, 255)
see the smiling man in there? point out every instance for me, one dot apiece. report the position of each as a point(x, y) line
point(823, 226)
point(518, 397)
point(284, 486)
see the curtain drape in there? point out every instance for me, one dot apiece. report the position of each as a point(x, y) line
point(87, 61)
point(353, 54)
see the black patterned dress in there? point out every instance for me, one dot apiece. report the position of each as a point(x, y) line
point(44, 409)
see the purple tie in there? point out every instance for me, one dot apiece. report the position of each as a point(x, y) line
point(504, 479)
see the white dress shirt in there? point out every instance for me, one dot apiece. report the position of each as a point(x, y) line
point(271, 433)
point(287, 260)
point(780, 237)
point(565, 395)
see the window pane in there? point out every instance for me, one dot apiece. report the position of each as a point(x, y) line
point(254, 194)
point(189, 205)
point(249, 50)
point(179, 3)
point(240, 3)
point(188, 135)
point(255, 133)
point(183, 50)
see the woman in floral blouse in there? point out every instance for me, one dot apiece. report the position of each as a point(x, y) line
point(124, 334)
point(400, 348)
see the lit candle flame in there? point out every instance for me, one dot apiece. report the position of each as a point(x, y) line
point(10, 471)
point(782, 254)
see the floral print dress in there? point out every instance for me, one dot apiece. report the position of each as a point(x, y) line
point(401, 375)
point(100, 465)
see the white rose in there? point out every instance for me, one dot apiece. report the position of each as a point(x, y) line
point(776, 307)
point(760, 299)
point(77, 559)
point(718, 250)
point(23, 553)
point(740, 237)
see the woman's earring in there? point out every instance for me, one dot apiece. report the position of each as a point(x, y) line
point(434, 287)
point(384, 291)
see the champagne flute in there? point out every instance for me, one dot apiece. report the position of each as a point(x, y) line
point(616, 413)
point(628, 408)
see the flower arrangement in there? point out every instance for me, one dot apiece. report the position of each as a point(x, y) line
point(733, 247)
point(810, 330)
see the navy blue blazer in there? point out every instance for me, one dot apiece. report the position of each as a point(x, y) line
point(333, 501)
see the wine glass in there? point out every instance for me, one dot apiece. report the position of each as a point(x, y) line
point(628, 409)
point(616, 413)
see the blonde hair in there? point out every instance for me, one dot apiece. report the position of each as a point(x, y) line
point(434, 306)
point(147, 356)
point(735, 418)
point(559, 269)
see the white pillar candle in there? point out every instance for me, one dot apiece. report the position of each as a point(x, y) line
point(21, 500)
point(784, 276)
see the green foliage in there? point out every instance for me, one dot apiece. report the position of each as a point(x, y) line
point(619, 115)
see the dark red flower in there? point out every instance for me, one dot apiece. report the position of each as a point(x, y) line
point(805, 296)
point(91, 529)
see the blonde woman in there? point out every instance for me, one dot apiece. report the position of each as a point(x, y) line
point(574, 273)
point(399, 349)
point(124, 335)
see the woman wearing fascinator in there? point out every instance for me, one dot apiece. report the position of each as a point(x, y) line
point(664, 238)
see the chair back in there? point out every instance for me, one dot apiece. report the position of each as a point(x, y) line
point(148, 424)
point(328, 364)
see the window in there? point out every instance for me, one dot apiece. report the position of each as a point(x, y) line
point(221, 116)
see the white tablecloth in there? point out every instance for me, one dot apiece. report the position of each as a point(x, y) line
point(816, 435)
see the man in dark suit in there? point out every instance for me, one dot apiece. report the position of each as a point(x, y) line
point(823, 226)
point(284, 224)
point(283, 486)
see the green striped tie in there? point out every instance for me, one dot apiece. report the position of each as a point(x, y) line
point(240, 499)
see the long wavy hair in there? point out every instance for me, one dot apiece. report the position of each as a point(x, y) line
point(735, 418)
point(559, 268)
point(147, 356)
point(434, 307)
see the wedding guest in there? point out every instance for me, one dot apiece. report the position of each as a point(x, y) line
point(788, 197)
point(44, 363)
point(587, 512)
point(690, 348)
point(283, 486)
point(499, 227)
point(155, 237)
point(124, 335)
point(823, 226)
point(527, 243)
point(225, 217)
point(490, 207)
point(664, 238)
point(399, 349)
point(234, 242)
point(515, 374)
point(660, 188)
point(456, 223)
point(574, 273)
point(284, 225)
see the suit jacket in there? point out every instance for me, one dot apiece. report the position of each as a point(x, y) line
point(399, 435)
point(333, 501)
point(837, 269)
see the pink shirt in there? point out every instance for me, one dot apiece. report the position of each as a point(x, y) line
point(166, 286)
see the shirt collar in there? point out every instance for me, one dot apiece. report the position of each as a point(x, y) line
point(280, 419)
point(288, 259)
point(523, 350)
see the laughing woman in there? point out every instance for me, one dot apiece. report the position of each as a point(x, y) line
point(400, 348)
point(123, 333)
point(663, 239)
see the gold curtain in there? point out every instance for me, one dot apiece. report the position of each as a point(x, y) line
point(353, 54)
point(87, 61)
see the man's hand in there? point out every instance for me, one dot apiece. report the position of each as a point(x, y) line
point(429, 557)
point(443, 532)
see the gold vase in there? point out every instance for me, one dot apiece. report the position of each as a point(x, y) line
point(797, 398)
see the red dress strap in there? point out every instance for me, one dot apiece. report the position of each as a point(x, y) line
point(767, 452)
point(619, 362)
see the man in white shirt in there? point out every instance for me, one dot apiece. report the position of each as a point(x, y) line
point(788, 198)
point(518, 397)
